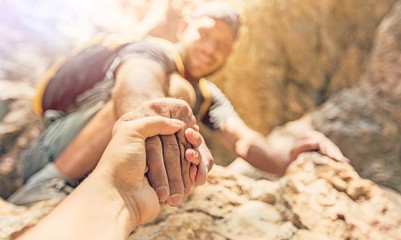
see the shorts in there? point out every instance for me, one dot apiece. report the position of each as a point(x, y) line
point(55, 138)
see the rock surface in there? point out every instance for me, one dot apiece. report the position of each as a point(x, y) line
point(318, 198)
point(18, 127)
point(293, 55)
point(365, 121)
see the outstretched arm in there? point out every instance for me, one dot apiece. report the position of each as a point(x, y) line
point(137, 81)
point(116, 196)
point(253, 147)
point(140, 80)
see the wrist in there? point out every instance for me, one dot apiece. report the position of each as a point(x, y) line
point(131, 206)
point(120, 197)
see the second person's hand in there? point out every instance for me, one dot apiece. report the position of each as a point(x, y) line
point(173, 159)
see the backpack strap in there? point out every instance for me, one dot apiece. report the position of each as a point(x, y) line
point(207, 97)
point(178, 62)
point(176, 55)
point(40, 90)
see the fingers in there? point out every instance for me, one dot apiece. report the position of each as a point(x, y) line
point(185, 167)
point(192, 155)
point(204, 162)
point(334, 152)
point(303, 146)
point(201, 174)
point(320, 143)
point(346, 160)
point(193, 136)
point(206, 155)
point(157, 174)
point(192, 173)
point(172, 162)
point(148, 126)
point(181, 110)
point(181, 133)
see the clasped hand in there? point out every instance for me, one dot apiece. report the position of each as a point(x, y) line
point(174, 160)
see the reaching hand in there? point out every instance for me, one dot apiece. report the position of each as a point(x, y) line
point(124, 162)
point(316, 141)
point(173, 159)
point(116, 196)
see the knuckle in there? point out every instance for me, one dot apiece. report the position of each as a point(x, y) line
point(183, 142)
point(157, 180)
point(152, 142)
point(182, 108)
point(193, 119)
point(171, 147)
point(197, 154)
point(173, 165)
point(181, 103)
point(160, 108)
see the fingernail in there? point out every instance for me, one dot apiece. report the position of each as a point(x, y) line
point(174, 199)
point(193, 153)
point(162, 193)
point(195, 135)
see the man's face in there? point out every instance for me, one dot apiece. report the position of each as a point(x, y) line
point(206, 43)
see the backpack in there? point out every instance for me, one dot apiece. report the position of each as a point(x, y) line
point(76, 73)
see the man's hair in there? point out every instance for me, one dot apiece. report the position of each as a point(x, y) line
point(218, 10)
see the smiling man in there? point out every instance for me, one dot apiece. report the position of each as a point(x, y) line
point(134, 73)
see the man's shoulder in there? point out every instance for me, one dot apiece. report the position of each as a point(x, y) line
point(151, 43)
point(158, 50)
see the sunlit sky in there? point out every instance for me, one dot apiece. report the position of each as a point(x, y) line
point(77, 18)
point(33, 30)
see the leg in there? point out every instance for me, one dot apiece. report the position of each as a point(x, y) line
point(52, 141)
point(75, 143)
point(84, 152)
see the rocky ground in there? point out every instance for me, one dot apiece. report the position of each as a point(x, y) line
point(318, 198)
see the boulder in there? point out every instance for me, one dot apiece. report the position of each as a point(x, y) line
point(365, 121)
point(19, 126)
point(292, 55)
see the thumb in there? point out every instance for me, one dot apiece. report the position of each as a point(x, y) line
point(149, 126)
point(303, 146)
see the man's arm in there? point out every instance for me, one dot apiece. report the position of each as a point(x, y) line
point(253, 147)
point(139, 80)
